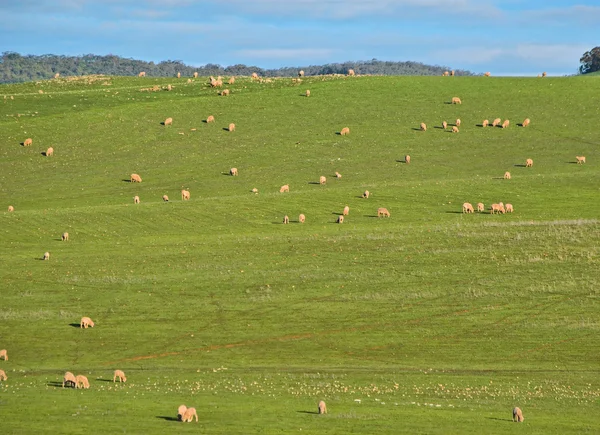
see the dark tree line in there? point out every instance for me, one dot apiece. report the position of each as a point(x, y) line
point(590, 61)
point(17, 68)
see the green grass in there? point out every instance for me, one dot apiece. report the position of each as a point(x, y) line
point(430, 321)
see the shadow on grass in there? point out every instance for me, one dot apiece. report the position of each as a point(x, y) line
point(336, 213)
point(308, 412)
point(313, 182)
point(371, 215)
point(168, 418)
point(75, 325)
point(226, 129)
point(500, 419)
point(458, 212)
point(417, 129)
point(438, 127)
point(573, 163)
point(104, 380)
point(520, 166)
point(54, 384)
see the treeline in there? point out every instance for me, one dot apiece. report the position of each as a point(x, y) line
point(17, 68)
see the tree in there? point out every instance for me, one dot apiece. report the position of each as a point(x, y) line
point(590, 61)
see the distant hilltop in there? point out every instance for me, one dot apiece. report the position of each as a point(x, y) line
point(18, 68)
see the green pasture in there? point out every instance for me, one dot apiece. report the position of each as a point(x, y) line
point(428, 322)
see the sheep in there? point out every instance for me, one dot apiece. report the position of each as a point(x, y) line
point(210, 119)
point(467, 208)
point(57, 75)
point(178, 75)
point(338, 175)
point(487, 74)
point(85, 322)
point(457, 123)
point(165, 198)
point(65, 237)
point(233, 172)
point(284, 188)
point(189, 415)
point(452, 73)
point(528, 163)
point(286, 219)
point(49, 152)
point(254, 76)
point(345, 131)
point(322, 407)
point(254, 190)
point(485, 123)
point(301, 73)
point(351, 72)
point(180, 411)
point(340, 220)
point(444, 125)
point(301, 218)
point(81, 381)
point(135, 178)
point(496, 122)
point(308, 93)
point(517, 413)
point(445, 74)
point(69, 378)
point(509, 208)
point(231, 127)
point(455, 129)
point(456, 100)
point(383, 212)
point(168, 121)
point(407, 159)
point(121, 375)
point(185, 195)
point(366, 194)
point(4, 354)
point(11, 209)
point(46, 256)
point(27, 142)
point(346, 211)
point(142, 74)
point(322, 179)
point(423, 127)
point(507, 175)
point(480, 206)
point(231, 80)
point(3, 376)
point(497, 208)
point(526, 122)
point(195, 74)
point(225, 92)
point(544, 74)
point(136, 199)
point(580, 160)
point(506, 123)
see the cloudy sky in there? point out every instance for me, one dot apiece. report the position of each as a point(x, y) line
point(505, 37)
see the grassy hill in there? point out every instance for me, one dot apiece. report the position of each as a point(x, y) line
point(431, 321)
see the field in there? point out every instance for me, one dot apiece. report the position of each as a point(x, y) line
point(430, 321)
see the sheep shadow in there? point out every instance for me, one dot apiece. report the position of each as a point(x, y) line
point(44, 153)
point(226, 129)
point(573, 163)
point(337, 213)
point(479, 125)
point(162, 123)
point(205, 121)
point(126, 180)
point(417, 129)
point(54, 384)
point(307, 412)
point(168, 418)
point(371, 216)
point(104, 380)
point(520, 166)
point(226, 173)
point(452, 211)
point(313, 182)
point(75, 325)
point(439, 127)
point(500, 419)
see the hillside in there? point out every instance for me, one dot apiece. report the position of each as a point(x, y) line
point(429, 321)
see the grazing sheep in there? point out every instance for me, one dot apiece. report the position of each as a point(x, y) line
point(286, 219)
point(49, 152)
point(136, 199)
point(383, 212)
point(345, 131)
point(346, 211)
point(57, 75)
point(254, 190)
point(284, 188)
point(445, 74)
point(168, 121)
point(485, 123)
point(467, 208)
point(165, 198)
point(81, 381)
point(480, 206)
point(189, 415)
point(526, 122)
point(27, 142)
point(307, 93)
point(254, 76)
point(11, 208)
point(517, 413)
point(301, 218)
point(487, 74)
point(457, 123)
point(233, 172)
point(351, 72)
point(509, 208)
point(322, 179)
point(178, 75)
point(366, 194)
point(580, 160)
point(119, 374)
point(506, 123)
point(185, 195)
point(65, 237)
point(85, 322)
point(210, 119)
point(195, 75)
point(4, 354)
point(231, 127)
point(452, 73)
point(338, 175)
point(142, 74)
point(444, 125)
point(496, 122)
point(456, 100)
point(407, 159)
point(528, 163)
point(544, 74)
point(3, 376)
point(135, 178)
point(46, 256)
point(180, 411)
point(423, 126)
point(455, 129)
point(69, 378)
point(231, 80)
point(340, 220)
point(507, 175)
point(322, 407)
point(225, 92)
point(497, 208)
point(301, 73)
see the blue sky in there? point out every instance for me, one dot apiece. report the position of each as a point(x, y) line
point(507, 37)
